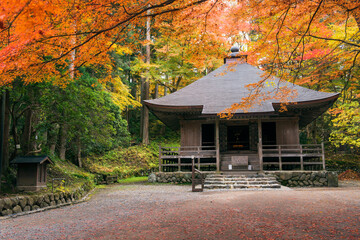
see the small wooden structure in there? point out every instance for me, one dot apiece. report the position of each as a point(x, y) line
point(31, 174)
point(262, 138)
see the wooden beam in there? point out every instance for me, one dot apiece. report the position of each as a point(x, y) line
point(217, 144)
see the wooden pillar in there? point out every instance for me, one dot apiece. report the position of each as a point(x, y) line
point(301, 159)
point(217, 142)
point(260, 145)
point(323, 155)
point(280, 158)
point(160, 162)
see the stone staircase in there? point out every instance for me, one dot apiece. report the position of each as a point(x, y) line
point(254, 181)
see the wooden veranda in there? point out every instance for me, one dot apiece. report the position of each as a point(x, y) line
point(271, 157)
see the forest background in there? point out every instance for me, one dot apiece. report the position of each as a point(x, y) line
point(73, 73)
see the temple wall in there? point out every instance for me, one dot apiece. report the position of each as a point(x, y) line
point(287, 131)
point(190, 133)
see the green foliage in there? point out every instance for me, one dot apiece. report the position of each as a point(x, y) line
point(74, 176)
point(8, 180)
point(88, 112)
point(343, 162)
point(125, 162)
point(133, 180)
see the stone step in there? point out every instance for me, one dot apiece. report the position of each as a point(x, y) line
point(241, 179)
point(225, 178)
point(240, 182)
point(239, 186)
point(245, 181)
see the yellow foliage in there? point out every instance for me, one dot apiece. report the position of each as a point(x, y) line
point(121, 50)
point(120, 94)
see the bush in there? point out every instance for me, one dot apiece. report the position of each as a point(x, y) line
point(343, 162)
point(74, 175)
point(125, 162)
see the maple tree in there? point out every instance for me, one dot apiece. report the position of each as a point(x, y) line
point(311, 43)
point(38, 36)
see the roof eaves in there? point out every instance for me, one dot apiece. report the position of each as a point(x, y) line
point(322, 100)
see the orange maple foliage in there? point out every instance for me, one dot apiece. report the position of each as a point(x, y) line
point(310, 43)
point(37, 37)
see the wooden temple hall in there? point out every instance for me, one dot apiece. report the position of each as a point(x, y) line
point(261, 139)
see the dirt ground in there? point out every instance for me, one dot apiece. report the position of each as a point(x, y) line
point(173, 212)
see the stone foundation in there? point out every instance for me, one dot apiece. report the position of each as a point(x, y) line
point(20, 204)
point(173, 177)
point(286, 178)
point(306, 178)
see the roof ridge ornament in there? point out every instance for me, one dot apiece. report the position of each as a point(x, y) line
point(234, 50)
point(235, 56)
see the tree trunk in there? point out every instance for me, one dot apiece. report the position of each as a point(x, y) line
point(78, 143)
point(14, 134)
point(156, 95)
point(26, 136)
point(52, 138)
point(5, 151)
point(314, 132)
point(145, 138)
point(62, 141)
point(2, 129)
point(167, 82)
point(72, 53)
point(142, 96)
point(145, 126)
point(128, 118)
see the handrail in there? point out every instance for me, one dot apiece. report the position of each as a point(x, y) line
point(292, 150)
point(195, 181)
point(175, 151)
point(176, 154)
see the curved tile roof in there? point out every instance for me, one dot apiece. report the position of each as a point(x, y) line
point(226, 85)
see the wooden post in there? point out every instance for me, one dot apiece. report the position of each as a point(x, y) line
point(323, 155)
point(198, 153)
point(301, 158)
point(179, 158)
point(260, 145)
point(160, 168)
point(217, 146)
point(179, 163)
point(280, 159)
point(193, 173)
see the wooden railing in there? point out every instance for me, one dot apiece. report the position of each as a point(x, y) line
point(196, 181)
point(302, 151)
point(182, 156)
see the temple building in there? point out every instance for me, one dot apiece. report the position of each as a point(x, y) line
point(262, 138)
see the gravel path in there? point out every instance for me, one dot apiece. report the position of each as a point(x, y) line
point(173, 212)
